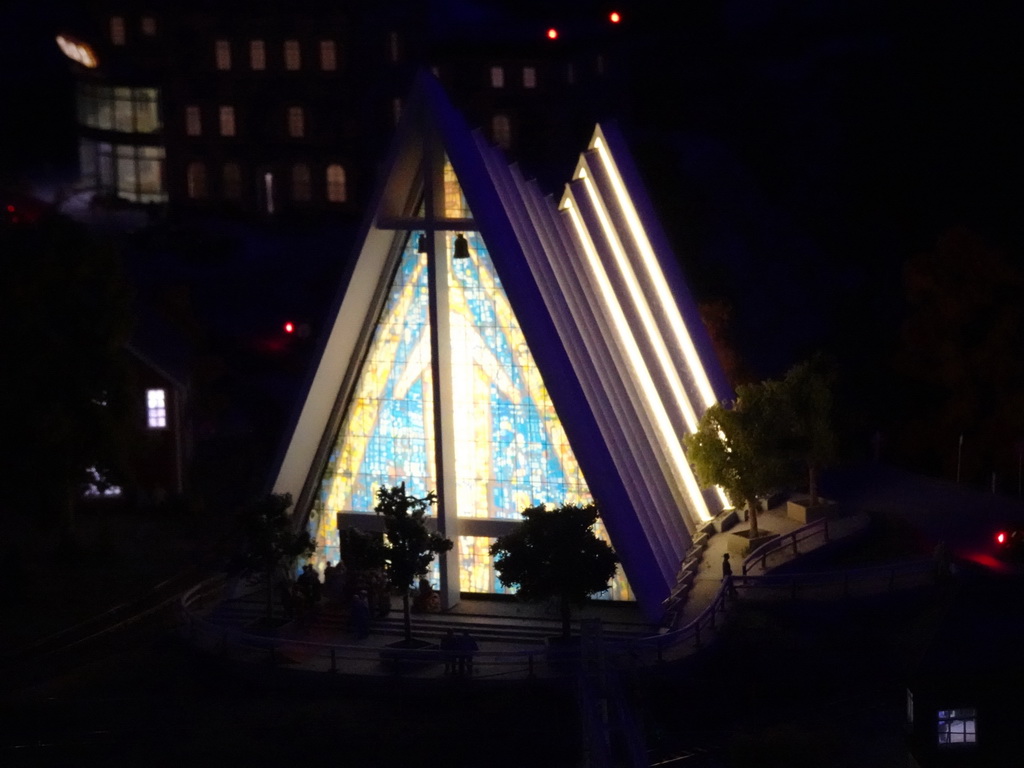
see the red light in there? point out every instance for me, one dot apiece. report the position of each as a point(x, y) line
point(1001, 537)
point(552, 34)
point(614, 17)
point(289, 327)
point(10, 209)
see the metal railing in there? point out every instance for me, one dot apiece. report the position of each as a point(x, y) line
point(238, 643)
point(759, 557)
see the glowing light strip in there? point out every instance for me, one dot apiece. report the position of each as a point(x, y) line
point(657, 276)
point(625, 334)
point(643, 308)
point(668, 301)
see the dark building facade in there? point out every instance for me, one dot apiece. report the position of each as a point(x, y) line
point(271, 108)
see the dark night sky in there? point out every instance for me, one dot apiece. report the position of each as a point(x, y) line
point(809, 147)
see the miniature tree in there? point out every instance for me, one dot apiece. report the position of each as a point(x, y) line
point(270, 543)
point(740, 448)
point(411, 546)
point(555, 553)
point(807, 392)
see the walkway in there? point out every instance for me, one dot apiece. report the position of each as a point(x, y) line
point(512, 636)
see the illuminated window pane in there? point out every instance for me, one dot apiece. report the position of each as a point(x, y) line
point(957, 726)
point(510, 449)
point(476, 567)
point(227, 120)
point(328, 56)
point(117, 30)
point(156, 408)
point(337, 191)
point(387, 434)
point(147, 112)
point(296, 122)
point(148, 25)
point(455, 206)
point(529, 77)
point(257, 55)
point(151, 175)
point(570, 74)
point(393, 47)
point(193, 121)
point(292, 58)
point(497, 77)
point(301, 183)
point(127, 173)
point(123, 110)
point(222, 50)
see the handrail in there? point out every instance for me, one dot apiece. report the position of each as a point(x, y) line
point(778, 542)
point(529, 662)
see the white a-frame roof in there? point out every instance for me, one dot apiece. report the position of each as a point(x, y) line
point(603, 308)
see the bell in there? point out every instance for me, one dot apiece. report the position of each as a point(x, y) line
point(461, 247)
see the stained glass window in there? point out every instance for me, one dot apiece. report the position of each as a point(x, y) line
point(387, 434)
point(509, 448)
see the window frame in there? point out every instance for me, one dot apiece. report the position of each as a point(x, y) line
point(258, 55)
point(222, 55)
point(226, 120)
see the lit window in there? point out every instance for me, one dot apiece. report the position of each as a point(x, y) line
point(257, 54)
point(292, 58)
point(222, 50)
point(337, 191)
point(501, 131)
point(232, 180)
point(529, 77)
point(570, 74)
point(393, 46)
point(156, 408)
point(117, 30)
point(296, 122)
point(497, 77)
point(195, 178)
point(193, 121)
point(396, 109)
point(227, 121)
point(148, 25)
point(957, 726)
point(301, 184)
point(328, 55)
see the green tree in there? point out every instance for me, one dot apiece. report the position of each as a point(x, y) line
point(68, 404)
point(411, 545)
point(270, 543)
point(806, 390)
point(739, 448)
point(555, 553)
point(361, 551)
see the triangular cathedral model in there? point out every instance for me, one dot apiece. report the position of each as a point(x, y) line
point(506, 349)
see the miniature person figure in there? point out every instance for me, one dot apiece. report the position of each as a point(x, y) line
point(727, 575)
